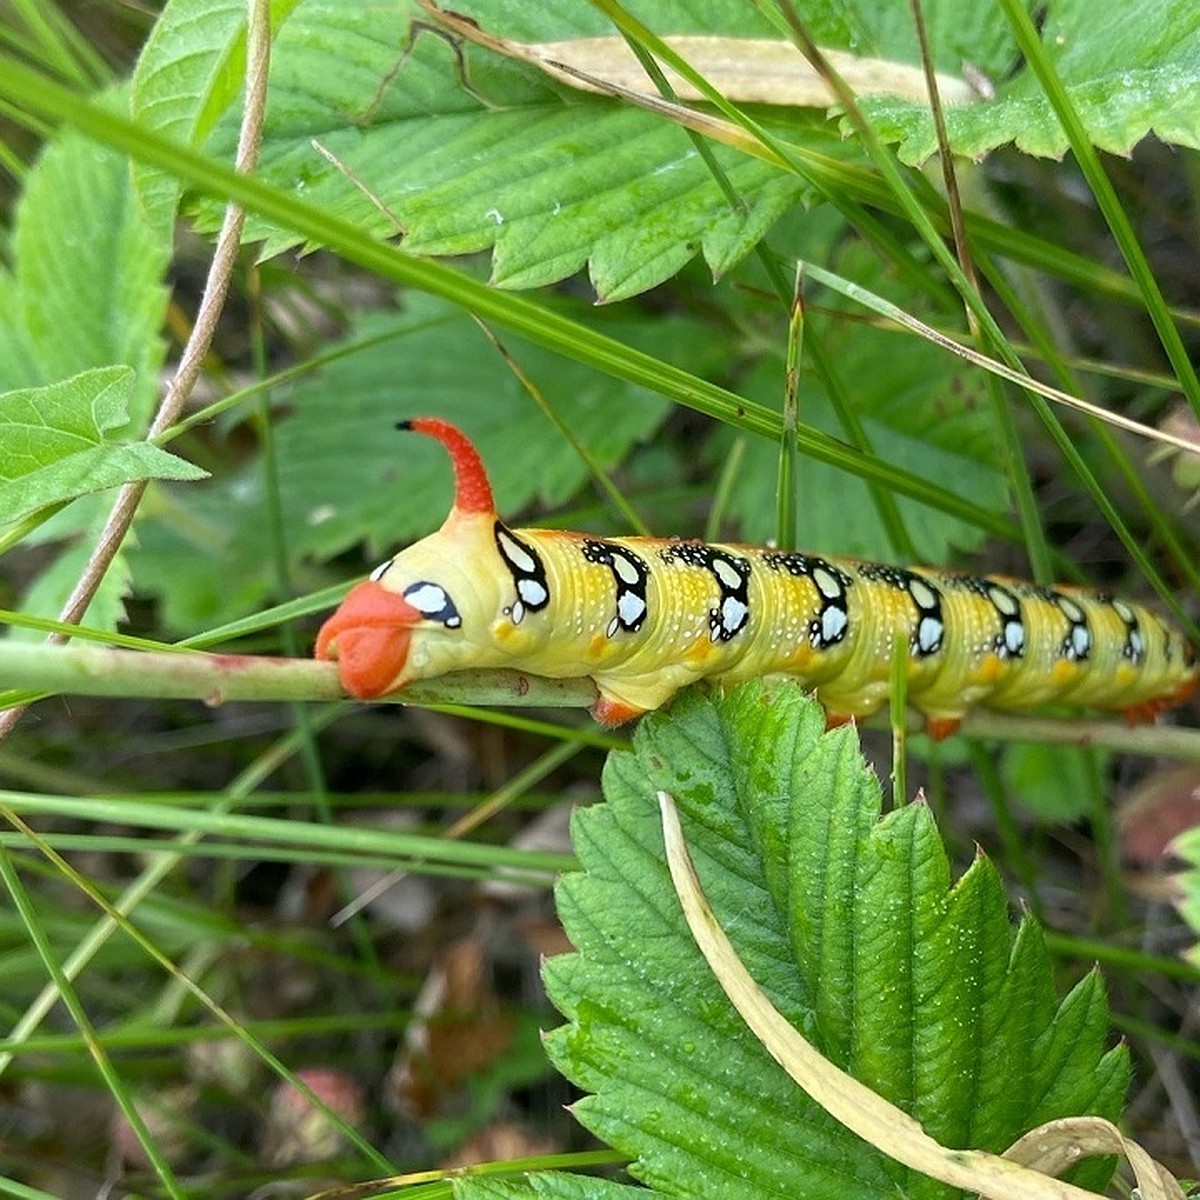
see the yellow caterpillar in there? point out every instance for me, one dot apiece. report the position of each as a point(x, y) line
point(644, 617)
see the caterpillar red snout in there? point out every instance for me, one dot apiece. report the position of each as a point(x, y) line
point(644, 617)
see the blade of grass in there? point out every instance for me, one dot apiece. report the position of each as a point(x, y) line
point(1088, 160)
point(65, 992)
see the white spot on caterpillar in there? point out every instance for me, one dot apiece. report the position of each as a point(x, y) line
point(929, 634)
point(532, 591)
point(922, 593)
point(833, 624)
point(726, 574)
point(380, 571)
point(517, 613)
point(624, 569)
point(733, 614)
point(516, 553)
point(1081, 641)
point(827, 585)
point(1014, 637)
point(1070, 608)
point(1124, 612)
point(630, 608)
point(613, 626)
point(428, 598)
point(1004, 604)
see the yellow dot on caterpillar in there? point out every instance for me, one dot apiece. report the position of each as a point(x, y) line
point(989, 670)
point(1063, 672)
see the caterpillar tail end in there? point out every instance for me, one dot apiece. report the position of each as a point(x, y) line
point(609, 712)
point(940, 728)
point(368, 636)
point(1149, 710)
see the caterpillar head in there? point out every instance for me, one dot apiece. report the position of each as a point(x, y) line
point(371, 633)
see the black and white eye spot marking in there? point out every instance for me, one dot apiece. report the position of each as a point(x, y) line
point(629, 574)
point(1077, 645)
point(527, 571)
point(1010, 641)
point(1135, 647)
point(432, 600)
point(731, 613)
point(929, 633)
point(832, 621)
point(381, 570)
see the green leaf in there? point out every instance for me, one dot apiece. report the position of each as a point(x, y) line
point(916, 985)
point(1129, 68)
point(48, 592)
point(1187, 847)
point(547, 1185)
point(554, 180)
point(86, 287)
point(1057, 783)
point(55, 448)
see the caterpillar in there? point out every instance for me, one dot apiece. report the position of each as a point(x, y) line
point(644, 617)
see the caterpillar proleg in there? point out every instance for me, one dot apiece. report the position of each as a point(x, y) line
point(644, 617)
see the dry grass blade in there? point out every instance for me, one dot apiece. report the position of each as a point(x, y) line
point(886, 1127)
point(746, 70)
point(1165, 436)
point(1057, 1145)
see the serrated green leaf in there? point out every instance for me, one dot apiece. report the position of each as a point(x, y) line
point(1129, 68)
point(53, 445)
point(851, 925)
point(86, 288)
point(547, 1185)
point(554, 180)
point(597, 184)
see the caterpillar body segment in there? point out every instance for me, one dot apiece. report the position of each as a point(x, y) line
point(644, 617)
